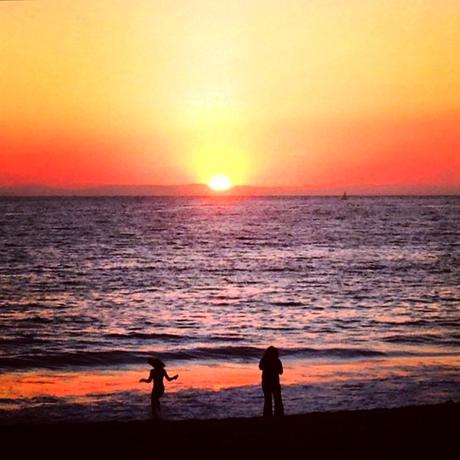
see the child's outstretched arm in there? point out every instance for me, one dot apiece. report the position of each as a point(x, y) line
point(147, 380)
point(168, 378)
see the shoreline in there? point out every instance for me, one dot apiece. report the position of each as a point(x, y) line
point(225, 390)
point(405, 432)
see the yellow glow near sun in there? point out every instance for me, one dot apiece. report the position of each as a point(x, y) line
point(220, 183)
point(216, 155)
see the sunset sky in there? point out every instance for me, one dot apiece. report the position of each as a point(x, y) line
point(267, 92)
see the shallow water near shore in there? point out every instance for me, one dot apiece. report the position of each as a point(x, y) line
point(220, 390)
point(361, 296)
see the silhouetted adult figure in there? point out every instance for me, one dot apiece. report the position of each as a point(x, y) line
point(271, 368)
point(156, 375)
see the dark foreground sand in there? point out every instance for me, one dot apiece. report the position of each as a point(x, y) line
point(411, 432)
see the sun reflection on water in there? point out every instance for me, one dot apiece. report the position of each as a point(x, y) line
point(204, 376)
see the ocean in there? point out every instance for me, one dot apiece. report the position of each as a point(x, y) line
point(361, 296)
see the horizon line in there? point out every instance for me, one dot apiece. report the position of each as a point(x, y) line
point(242, 190)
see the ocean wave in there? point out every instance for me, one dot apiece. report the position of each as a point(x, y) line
point(70, 359)
point(36, 320)
point(143, 335)
point(288, 303)
point(206, 280)
point(424, 339)
point(125, 357)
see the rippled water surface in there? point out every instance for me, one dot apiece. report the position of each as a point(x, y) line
point(90, 283)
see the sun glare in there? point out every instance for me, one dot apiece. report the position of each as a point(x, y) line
point(220, 183)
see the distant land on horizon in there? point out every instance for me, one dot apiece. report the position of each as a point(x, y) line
point(31, 190)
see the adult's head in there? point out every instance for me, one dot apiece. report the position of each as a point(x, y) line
point(271, 353)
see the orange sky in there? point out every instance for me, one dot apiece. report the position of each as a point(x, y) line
point(268, 92)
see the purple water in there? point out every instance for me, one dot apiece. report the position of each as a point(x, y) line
point(97, 285)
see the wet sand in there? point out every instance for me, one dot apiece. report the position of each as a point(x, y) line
point(410, 432)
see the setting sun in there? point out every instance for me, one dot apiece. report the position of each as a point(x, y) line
point(220, 183)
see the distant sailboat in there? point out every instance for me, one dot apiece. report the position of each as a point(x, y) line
point(344, 196)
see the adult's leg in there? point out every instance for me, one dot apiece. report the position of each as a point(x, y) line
point(279, 408)
point(267, 401)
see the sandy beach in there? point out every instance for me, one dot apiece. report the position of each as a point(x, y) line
point(410, 432)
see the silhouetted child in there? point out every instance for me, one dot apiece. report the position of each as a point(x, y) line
point(156, 375)
point(271, 368)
